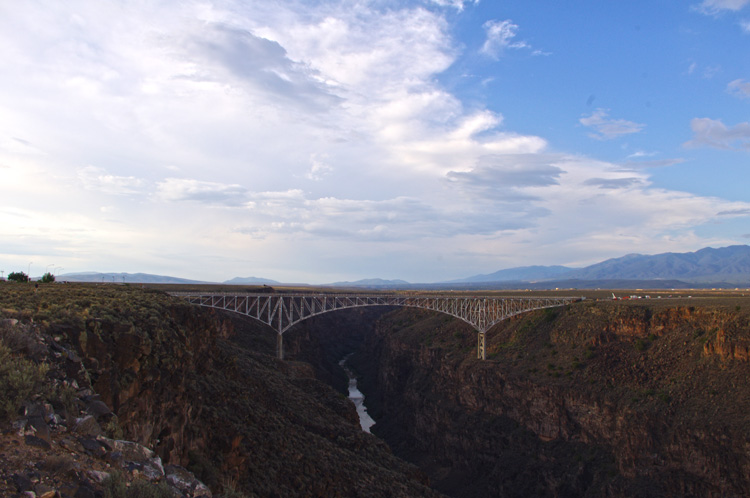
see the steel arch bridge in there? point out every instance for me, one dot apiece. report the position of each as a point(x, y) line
point(282, 311)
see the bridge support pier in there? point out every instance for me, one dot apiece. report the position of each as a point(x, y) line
point(280, 346)
point(480, 347)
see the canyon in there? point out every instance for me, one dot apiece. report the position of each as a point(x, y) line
point(600, 398)
point(597, 399)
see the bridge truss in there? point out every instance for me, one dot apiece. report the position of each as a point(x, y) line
point(282, 311)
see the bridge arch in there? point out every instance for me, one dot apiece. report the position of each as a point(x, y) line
point(282, 311)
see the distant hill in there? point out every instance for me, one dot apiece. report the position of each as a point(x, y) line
point(372, 283)
point(250, 281)
point(727, 264)
point(520, 274)
point(128, 278)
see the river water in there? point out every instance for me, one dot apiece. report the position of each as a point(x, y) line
point(357, 397)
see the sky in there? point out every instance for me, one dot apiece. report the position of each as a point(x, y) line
point(319, 141)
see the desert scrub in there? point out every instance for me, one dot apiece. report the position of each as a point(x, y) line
point(20, 379)
point(641, 345)
point(116, 486)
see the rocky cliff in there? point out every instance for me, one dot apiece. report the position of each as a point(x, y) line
point(202, 390)
point(598, 399)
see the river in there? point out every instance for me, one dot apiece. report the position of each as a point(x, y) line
point(357, 397)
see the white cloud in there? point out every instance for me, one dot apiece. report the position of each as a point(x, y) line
point(500, 35)
point(179, 189)
point(709, 132)
point(607, 128)
point(99, 180)
point(739, 88)
point(745, 25)
point(716, 6)
point(459, 5)
point(319, 167)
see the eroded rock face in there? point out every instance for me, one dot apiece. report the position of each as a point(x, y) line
point(176, 383)
point(596, 400)
point(139, 371)
point(171, 390)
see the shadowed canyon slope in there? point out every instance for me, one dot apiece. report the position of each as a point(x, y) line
point(598, 399)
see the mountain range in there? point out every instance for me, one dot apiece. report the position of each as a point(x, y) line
point(726, 266)
point(729, 265)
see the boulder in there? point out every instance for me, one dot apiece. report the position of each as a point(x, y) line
point(99, 410)
point(38, 442)
point(88, 426)
point(184, 480)
point(135, 458)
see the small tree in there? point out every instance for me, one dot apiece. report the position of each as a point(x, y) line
point(18, 276)
point(47, 278)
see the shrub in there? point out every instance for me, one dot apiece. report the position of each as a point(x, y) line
point(18, 276)
point(20, 379)
point(666, 398)
point(640, 345)
point(115, 486)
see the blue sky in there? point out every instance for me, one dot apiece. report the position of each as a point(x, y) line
point(320, 141)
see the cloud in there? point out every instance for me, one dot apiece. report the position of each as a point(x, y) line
point(97, 179)
point(459, 5)
point(739, 88)
point(261, 64)
point(735, 212)
point(504, 173)
point(296, 140)
point(319, 168)
point(655, 163)
point(713, 133)
point(607, 128)
point(713, 7)
point(745, 25)
point(500, 35)
point(180, 190)
point(613, 183)
point(294, 213)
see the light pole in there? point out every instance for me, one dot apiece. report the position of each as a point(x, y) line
point(28, 271)
point(46, 270)
point(57, 270)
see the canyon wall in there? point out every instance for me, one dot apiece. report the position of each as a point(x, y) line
point(205, 391)
point(597, 399)
point(594, 399)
